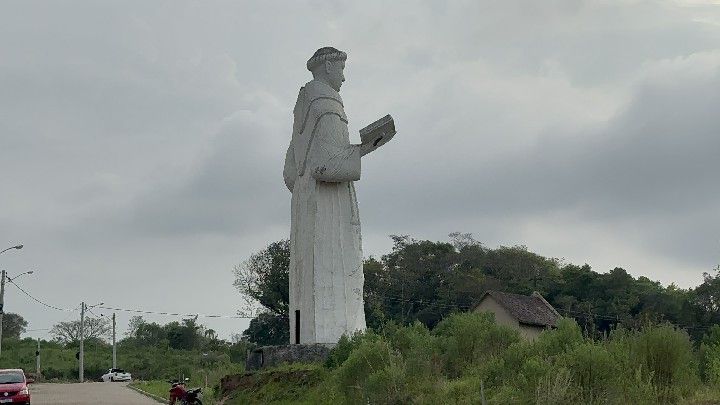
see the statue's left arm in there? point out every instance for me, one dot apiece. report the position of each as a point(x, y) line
point(334, 158)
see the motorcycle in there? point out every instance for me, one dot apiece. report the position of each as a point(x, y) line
point(178, 392)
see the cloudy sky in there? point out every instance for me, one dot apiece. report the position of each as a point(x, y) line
point(142, 143)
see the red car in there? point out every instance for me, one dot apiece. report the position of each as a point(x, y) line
point(14, 387)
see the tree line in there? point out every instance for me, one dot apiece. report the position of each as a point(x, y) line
point(426, 281)
point(148, 350)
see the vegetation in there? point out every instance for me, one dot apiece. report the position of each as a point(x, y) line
point(207, 379)
point(263, 279)
point(69, 332)
point(426, 281)
point(624, 339)
point(467, 357)
point(150, 352)
point(14, 325)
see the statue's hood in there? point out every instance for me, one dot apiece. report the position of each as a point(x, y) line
point(315, 99)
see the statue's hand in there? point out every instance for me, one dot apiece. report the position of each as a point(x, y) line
point(377, 142)
point(366, 148)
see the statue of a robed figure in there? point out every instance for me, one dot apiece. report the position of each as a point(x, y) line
point(326, 274)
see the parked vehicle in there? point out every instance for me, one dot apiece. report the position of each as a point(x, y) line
point(116, 374)
point(14, 387)
point(178, 392)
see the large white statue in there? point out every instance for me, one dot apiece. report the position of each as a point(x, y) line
point(326, 275)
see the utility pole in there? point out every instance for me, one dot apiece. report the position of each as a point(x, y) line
point(2, 292)
point(81, 368)
point(3, 277)
point(37, 360)
point(2, 303)
point(114, 349)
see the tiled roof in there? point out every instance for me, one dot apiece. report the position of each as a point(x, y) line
point(527, 309)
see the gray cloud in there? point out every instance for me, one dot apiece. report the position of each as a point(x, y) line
point(143, 142)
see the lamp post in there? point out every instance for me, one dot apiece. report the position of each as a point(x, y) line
point(18, 247)
point(3, 277)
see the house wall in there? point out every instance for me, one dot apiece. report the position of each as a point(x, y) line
point(502, 316)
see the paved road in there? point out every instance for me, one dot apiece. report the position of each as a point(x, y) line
point(87, 394)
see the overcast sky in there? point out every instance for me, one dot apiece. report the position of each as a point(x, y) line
point(142, 143)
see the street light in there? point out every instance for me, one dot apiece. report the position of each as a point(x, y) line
point(18, 247)
point(21, 274)
point(3, 278)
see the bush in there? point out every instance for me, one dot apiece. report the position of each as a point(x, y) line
point(469, 339)
point(665, 354)
point(555, 388)
point(710, 356)
point(372, 373)
point(591, 370)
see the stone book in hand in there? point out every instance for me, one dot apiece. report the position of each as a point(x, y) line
point(379, 132)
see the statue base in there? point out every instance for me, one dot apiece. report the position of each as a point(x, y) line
point(271, 356)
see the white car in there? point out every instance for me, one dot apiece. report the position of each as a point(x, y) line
point(116, 374)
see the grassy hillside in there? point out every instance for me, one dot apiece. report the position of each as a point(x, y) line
point(468, 357)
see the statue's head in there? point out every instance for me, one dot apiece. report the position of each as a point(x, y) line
point(327, 64)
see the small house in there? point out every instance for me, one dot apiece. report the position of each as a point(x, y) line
point(529, 314)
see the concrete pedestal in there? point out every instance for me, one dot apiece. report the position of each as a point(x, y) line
point(270, 356)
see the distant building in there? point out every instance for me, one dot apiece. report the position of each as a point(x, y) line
point(530, 314)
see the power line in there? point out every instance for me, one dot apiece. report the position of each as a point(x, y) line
point(141, 311)
point(132, 310)
point(37, 300)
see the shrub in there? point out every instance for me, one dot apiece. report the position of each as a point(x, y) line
point(346, 345)
point(665, 354)
point(592, 371)
point(418, 347)
point(555, 388)
point(372, 373)
point(710, 356)
point(557, 341)
point(469, 339)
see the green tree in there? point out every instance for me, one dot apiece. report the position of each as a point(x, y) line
point(424, 280)
point(268, 329)
point(708, 293)
point(134, 324)
point(185, 335)
point(151, 333)
point(13, 325)
point(264, 279)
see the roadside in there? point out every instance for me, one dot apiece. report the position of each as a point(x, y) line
point(160, 390)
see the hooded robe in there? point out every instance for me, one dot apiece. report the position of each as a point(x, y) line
point(326, 276)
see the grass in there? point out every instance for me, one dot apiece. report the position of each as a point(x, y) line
point(208, 380)
point(468, 356)
point(161, 389)
point(293, 384)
